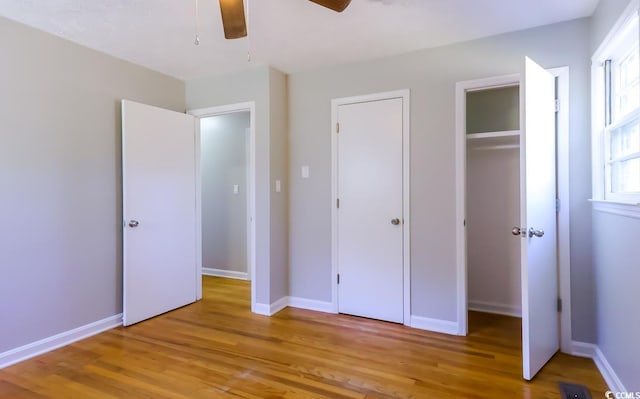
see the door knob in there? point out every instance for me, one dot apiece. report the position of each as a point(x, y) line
point(395, 221)
point(537, 233)
point(517, 231)
point(133, 223)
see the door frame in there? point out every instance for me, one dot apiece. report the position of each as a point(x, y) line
point(562, 179)
point(251, 187)
point(406, 200)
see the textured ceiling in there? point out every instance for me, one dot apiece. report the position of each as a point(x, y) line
point(291, 35)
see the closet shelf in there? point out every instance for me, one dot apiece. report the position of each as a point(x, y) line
point(488, 135)
point(494, 141)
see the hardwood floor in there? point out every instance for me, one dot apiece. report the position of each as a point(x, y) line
point(218, 348)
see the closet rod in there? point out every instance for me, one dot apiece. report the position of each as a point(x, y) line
point(497, 147)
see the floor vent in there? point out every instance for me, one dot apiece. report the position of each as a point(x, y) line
point(573, 391)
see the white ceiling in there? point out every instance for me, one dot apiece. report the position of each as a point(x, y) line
point(291, 35)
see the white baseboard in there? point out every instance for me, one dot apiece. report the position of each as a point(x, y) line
point(583, 349)
point(209, 271)
point(311, 304)
point(609, 375)
point(435, 325)
point(59, 340)
point(300, 303)
point(423, 323)
point(262, 309)
point(497, 308)
point(279, 305)
point(270, 310)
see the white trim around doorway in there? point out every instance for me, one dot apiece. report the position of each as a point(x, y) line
point(406, 264)
point(564, 246)
point(251, 202)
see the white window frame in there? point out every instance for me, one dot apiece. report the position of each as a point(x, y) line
point(604, 199)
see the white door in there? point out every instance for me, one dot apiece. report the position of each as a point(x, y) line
point(540, 339)
point(370, 238)
point(159, 198)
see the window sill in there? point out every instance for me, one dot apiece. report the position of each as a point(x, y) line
point(628, 209)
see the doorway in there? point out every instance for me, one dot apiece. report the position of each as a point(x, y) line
point(493, 199)
point(224, 160)
point(162, 207)
point(494, 195)
point(370, 206)
point(225, 192)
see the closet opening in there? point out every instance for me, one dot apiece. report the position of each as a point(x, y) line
point(493, 202)
point(512, 209)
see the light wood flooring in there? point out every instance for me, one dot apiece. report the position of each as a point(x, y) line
point(217, 348)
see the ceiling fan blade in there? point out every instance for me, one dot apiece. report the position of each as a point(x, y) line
point(335, 5)
point(233, 20)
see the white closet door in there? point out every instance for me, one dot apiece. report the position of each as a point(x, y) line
point(370, 236)
point(540, 339)
point(159, 197)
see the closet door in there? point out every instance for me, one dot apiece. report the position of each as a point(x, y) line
point(538, 219)
point(370, 235)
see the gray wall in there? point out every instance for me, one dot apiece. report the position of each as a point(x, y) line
point(60, 179)
point(223, 162)
point(616, 257)
point(605, 15)
point(431, 75)
point(279, 136)
point(255, 85)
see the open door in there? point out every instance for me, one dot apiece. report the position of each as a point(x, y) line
point(540, 339)
point(159, 199)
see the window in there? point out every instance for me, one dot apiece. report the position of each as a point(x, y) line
point(616, 109)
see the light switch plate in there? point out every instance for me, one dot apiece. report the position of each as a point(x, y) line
point(278, 186)
point(236, 189)
point(305, 171)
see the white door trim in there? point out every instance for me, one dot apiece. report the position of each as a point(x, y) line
point(564, 223)
point(406, 227)
point(251, 198)
point(564, 246)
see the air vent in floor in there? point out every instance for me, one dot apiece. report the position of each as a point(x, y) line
point(573, 391)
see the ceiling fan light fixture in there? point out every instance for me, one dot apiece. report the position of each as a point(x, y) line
point(233, 19)
point(335, 5)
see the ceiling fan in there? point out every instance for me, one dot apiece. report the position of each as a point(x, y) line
point(234, 22)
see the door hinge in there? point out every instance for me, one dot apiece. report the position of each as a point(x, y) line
point(337, 127)
point(337, 202)
point(557, 205)
point(559, 305)
point(338, 278)
point(557, 105)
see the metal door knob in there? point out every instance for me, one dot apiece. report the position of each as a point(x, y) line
point(133, 223)
point(537, 233)
point(395, 221)
point(516, 231)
